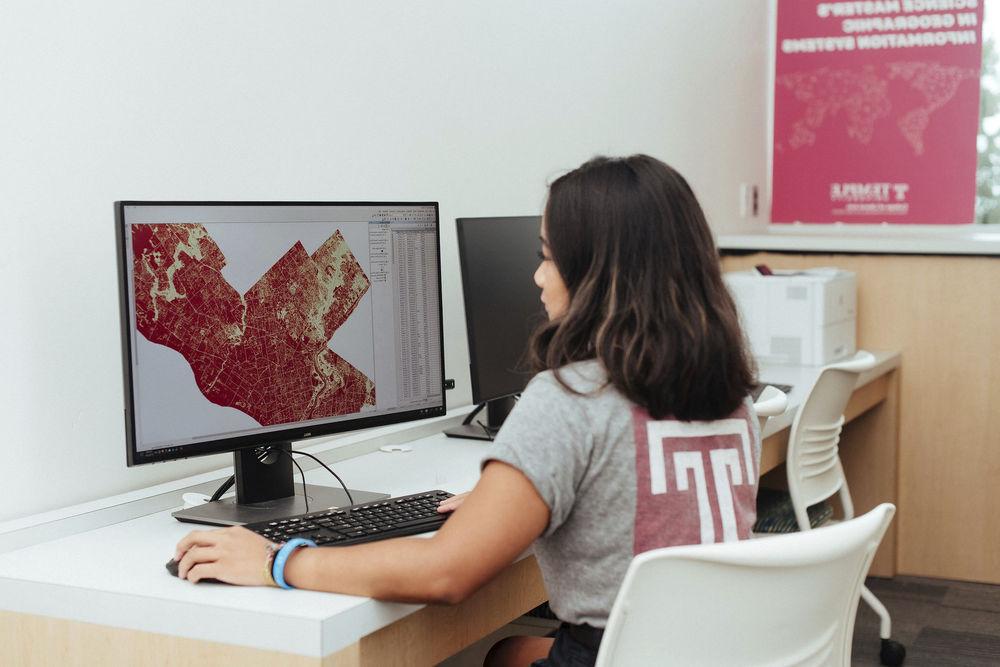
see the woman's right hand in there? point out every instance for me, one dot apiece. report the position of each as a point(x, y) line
point(451, 504)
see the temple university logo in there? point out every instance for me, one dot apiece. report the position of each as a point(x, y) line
point(869, 198)
point(868, 192)
point(696, 481)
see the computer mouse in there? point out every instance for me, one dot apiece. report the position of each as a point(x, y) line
point(172, 569)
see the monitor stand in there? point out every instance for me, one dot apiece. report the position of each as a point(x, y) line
point(496, 412)
point(265, 490)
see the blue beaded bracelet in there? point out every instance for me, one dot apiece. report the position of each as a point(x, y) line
point(280, 558)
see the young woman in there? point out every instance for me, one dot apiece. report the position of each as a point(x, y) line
point(637, 432)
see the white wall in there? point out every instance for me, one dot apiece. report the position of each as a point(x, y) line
point(474, 104)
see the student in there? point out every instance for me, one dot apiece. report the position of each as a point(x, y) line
point(637, 432)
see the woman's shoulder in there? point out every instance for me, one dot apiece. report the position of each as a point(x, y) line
point(580, 379)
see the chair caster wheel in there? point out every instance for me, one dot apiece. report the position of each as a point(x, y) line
point(892, 654)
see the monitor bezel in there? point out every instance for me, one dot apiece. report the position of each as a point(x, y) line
point(232, 444)
point(468, 299)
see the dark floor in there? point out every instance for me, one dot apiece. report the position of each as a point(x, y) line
point(940, 622)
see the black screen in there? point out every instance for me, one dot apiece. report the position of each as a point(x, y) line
point(502, 303)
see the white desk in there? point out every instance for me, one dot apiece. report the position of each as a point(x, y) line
point(103, 595)
point(801, 379)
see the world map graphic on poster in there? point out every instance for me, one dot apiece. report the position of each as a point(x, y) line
point(862, 97)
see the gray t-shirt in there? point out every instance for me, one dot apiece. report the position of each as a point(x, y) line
point(618, 483)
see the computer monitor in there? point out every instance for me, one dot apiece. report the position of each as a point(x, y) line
point(248, 325)
point(498, 257)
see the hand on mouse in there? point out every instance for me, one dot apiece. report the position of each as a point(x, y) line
point(451, 504)
point(233, 555)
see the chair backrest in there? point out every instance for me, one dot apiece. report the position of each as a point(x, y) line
point(786, 600)
point(813, 461)
point(771, 403)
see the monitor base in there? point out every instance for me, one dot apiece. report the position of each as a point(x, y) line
point(470, 431)
point(497, 410)
point(226, 512)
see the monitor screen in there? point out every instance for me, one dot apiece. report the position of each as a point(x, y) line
point(503, 305)
point(249, 323)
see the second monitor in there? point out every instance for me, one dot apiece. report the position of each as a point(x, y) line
point(498, 257)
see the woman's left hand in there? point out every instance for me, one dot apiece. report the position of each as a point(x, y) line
point(451, 504)
point(233, 555)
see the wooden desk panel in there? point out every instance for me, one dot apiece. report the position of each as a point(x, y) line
point(423, 638)
point(44, 641)
point(516, 591)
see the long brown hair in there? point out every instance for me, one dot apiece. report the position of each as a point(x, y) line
point(646, 296)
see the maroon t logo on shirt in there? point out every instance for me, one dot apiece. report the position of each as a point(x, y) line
point(696, 482)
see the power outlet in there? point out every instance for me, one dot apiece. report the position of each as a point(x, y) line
point(749, 202)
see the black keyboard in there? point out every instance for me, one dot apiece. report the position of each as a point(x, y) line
point(381, 520)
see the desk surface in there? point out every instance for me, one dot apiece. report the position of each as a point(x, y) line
point(801, 379)
point(114, 575)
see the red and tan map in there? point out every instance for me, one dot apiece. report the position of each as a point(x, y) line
point(265, 352)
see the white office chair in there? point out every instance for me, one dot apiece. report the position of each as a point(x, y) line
point(789, 600)
point(771, 403)
point(814, 469)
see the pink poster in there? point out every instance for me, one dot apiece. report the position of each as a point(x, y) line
point(876, 110)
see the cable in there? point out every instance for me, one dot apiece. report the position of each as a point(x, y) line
point(228, 484)
point(329, 471)
point(490, 431)
point(225, 486)
point(305, 493)
point(472, 415)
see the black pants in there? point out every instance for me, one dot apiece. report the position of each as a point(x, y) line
point(575, 646)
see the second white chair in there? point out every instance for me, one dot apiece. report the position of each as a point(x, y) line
point(814, 469)
point(771, 403)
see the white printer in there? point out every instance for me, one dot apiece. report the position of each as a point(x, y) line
point(803, 318)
